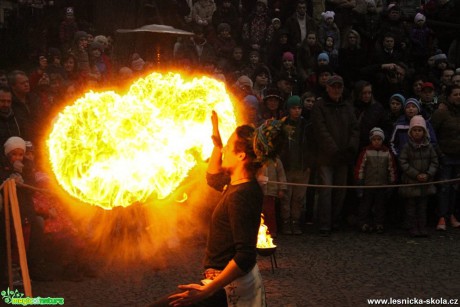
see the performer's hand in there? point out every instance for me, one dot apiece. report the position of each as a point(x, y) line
point(194, 293)
point(216, 139)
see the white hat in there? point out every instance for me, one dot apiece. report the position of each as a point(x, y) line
point(328, 14)
point(13, 143)
point(419, 17)
point(418, 121)
point(376, 131)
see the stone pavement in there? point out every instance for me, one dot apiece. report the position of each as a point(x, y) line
point(342, 270)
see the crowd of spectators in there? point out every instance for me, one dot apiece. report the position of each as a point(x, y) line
point(341, 74)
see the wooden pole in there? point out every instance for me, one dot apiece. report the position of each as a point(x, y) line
point(6, 210)
point(20, 238)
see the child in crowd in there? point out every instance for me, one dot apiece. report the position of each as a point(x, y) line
point(328, 28)
point(272, 171)
point(428, 100)
point(399, 136)
point(375, 166)
point(419, 164)
point(295, 155)
point(16, 166)
point(392, 113)
point(422, 39)
point(332, 52)
point(272, 107)
point(308, 99)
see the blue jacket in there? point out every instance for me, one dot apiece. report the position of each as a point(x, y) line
point(400, 135)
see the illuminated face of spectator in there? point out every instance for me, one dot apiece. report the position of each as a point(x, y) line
point(237, 54)
point(411, 110)
point(308, 103)
point(301, 10)
point(311, 39)
point(273, 103)
point(5, 101)
point(395, 106)
point(446, 76)
point(417, 87)
point(323, 77)
point(334, 91)
point(427, 94)
point(352, 39)
point(454, 97)
point(366, 94)
point(388, 43)
point(455, 80)
point(22, 85)
point(69, 65)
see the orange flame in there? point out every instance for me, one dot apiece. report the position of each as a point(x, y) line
point(264, 239)
point(110, 150)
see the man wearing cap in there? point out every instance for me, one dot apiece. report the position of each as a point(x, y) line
point(336, 132)
point(428, 100)
point(287, 85)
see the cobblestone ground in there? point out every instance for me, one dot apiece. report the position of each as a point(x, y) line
point(342, 270)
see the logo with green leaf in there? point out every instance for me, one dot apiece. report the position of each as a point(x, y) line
point(8, 295)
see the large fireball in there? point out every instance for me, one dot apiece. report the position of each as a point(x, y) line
point(110, 150)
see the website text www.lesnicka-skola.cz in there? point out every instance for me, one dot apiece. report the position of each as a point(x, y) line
point(413, 301)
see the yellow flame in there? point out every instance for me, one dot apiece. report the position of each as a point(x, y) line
point(110, 150)
point(264, 239)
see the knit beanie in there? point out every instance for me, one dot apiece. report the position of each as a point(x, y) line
point(418, 121)
point(244, 81)
point(13, 143)
point(414, 102)
point(376, 131)
point(398, 97)
point(288, 56)
point(323, 56)
point(418, 17)
point(293, 101)
point(328, 14)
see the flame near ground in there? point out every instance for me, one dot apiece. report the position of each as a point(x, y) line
point(136, 156)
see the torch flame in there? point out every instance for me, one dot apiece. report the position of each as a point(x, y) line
point(264, 239)
point(110, 150)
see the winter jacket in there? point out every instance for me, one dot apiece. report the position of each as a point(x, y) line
point(446, 123)
point(376, 166)
point(336, 132)
point(400, 135)
point(417, 159)
point(297, 143)
point(273, 171)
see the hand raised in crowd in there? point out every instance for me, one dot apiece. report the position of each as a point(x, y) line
point(216, 139)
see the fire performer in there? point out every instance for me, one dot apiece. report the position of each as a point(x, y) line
point(231, 273)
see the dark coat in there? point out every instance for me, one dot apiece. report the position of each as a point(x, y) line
point(446, 124)
point(336, 132)
point(416, 159)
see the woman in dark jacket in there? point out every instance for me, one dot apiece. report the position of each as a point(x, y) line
point(368, 111)
point(446, 123)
